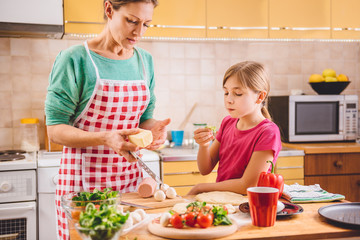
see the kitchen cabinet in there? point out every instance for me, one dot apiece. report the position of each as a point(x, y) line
point(299, 19)
point(183, 175)
point(83, 16)
point(174, 18)
point(237, 18)
point(291, 168)
point(335, 172)
point(345, 19)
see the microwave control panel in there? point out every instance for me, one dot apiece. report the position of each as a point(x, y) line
point(351, 118)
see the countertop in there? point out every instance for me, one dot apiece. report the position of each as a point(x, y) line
point(190, 154)
point(307, 225)
point(317, 148)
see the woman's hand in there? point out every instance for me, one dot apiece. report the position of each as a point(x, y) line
point(159, 134)
point(117, 141)
point(203, 136)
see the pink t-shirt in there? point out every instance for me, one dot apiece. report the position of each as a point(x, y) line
point(236, 146)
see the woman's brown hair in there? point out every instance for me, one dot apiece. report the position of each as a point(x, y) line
point(118, 3)
point(251, 75)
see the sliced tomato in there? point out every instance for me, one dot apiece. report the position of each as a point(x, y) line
point(205, 220)
point(176, 221)
point(190, 219)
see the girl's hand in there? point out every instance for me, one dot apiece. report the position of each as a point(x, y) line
point(159, 134)
point(203, 136)
point(117, 141)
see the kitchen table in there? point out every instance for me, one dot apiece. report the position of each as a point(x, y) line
point(307, 225)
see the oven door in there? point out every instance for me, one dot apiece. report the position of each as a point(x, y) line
point(316, 118)
point(18, 221)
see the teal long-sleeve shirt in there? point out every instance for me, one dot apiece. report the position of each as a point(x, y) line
point(73, 77)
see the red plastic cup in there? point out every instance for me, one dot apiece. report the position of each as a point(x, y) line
point(263, 204)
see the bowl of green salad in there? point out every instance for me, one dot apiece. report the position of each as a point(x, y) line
point(74, 203)
point(103, 223)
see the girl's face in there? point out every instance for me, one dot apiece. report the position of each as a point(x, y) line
point(128, 24)
point(240, 102)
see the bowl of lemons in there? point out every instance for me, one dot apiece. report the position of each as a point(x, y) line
point(329, 82)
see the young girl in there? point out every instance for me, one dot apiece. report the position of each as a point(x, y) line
point(247, 138)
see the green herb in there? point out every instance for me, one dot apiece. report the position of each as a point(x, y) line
point(83, 198)
point(101, 224)
point(220, 216)
point(213, 129)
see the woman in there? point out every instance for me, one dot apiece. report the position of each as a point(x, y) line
point(100, 93)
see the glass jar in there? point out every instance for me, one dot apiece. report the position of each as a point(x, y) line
point(29, 133)
point(196, 126)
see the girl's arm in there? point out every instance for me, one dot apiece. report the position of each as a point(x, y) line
point(257, 164)
point(208, 157)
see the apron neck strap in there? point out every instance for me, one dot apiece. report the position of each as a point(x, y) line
point(97, 71)
point(88, 51)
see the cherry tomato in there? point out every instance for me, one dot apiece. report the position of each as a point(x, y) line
point(225, 208)
point(190, 219)
point(176, 221)
point(205, 220)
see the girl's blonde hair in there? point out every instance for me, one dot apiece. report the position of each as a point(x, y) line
point(251, 75)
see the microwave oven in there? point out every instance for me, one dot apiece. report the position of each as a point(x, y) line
point(315, 118)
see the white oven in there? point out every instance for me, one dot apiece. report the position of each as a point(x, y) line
point(18, 211)
point(48, 173)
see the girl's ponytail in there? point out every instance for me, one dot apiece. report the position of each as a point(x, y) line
point(265, 113)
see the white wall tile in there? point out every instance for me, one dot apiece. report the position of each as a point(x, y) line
point(192, 50)
point(21, 65)
point(20, 46)
point(6, 138)
point(5, 82)
point(4, 46)
point(6, 118)
point(5, 100)
point(192, 66)
point(177, 50)
point(5, 64)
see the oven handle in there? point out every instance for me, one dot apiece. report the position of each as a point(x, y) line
point(17, 209)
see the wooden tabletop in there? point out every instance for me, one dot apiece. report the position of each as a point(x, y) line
point(307, 225)
point(316, 148)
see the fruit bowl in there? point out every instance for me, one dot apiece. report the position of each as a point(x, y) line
point(329, 87)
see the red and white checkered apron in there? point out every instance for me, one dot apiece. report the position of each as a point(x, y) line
point(114, 105)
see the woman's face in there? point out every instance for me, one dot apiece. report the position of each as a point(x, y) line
point(239, 102)
point(128, 24)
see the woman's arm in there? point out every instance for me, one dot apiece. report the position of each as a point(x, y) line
point(257, 164)
point(73, 137)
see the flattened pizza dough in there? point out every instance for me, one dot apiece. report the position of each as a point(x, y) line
point(221, 197)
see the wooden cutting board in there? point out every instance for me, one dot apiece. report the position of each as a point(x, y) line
point(191, 233)
point(135, 198)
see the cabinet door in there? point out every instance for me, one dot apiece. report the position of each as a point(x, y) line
point(345, 19)
point(174, 18)
point(299, 19)
point(237, 18)
point(349, 186)
point(332, 164)
point(83, 16)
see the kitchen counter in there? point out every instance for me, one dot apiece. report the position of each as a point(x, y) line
point(318, 148)
point(190, 154)
point(307, 225)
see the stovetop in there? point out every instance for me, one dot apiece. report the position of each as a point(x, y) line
point(17, 160)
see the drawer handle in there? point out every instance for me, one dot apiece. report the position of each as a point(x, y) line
point(338, 164)
point(358, 182)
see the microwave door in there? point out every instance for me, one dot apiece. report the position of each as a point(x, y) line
point(311, 121)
